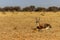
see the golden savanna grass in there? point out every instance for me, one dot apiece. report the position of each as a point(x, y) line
point(19, 26)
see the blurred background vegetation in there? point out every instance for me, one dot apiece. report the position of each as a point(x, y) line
point(30, 9)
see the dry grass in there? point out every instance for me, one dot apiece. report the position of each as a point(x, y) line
point(19, 26)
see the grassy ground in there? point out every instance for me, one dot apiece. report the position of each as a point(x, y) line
point(19, 26)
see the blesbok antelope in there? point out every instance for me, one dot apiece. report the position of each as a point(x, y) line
point(40, 27)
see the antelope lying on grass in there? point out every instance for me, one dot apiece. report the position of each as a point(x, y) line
point(45, 26)
point(39, 26)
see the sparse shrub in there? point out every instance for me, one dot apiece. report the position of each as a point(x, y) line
point(6, 8)
point(40, 9)
point(59, 9)
point(25, 9)
point(53, 8)
point(30, 8)
point(1, 9)
point(16, 8)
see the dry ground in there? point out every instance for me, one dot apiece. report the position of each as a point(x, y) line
point(19, 26)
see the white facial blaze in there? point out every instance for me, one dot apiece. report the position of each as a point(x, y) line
point(47, 27)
